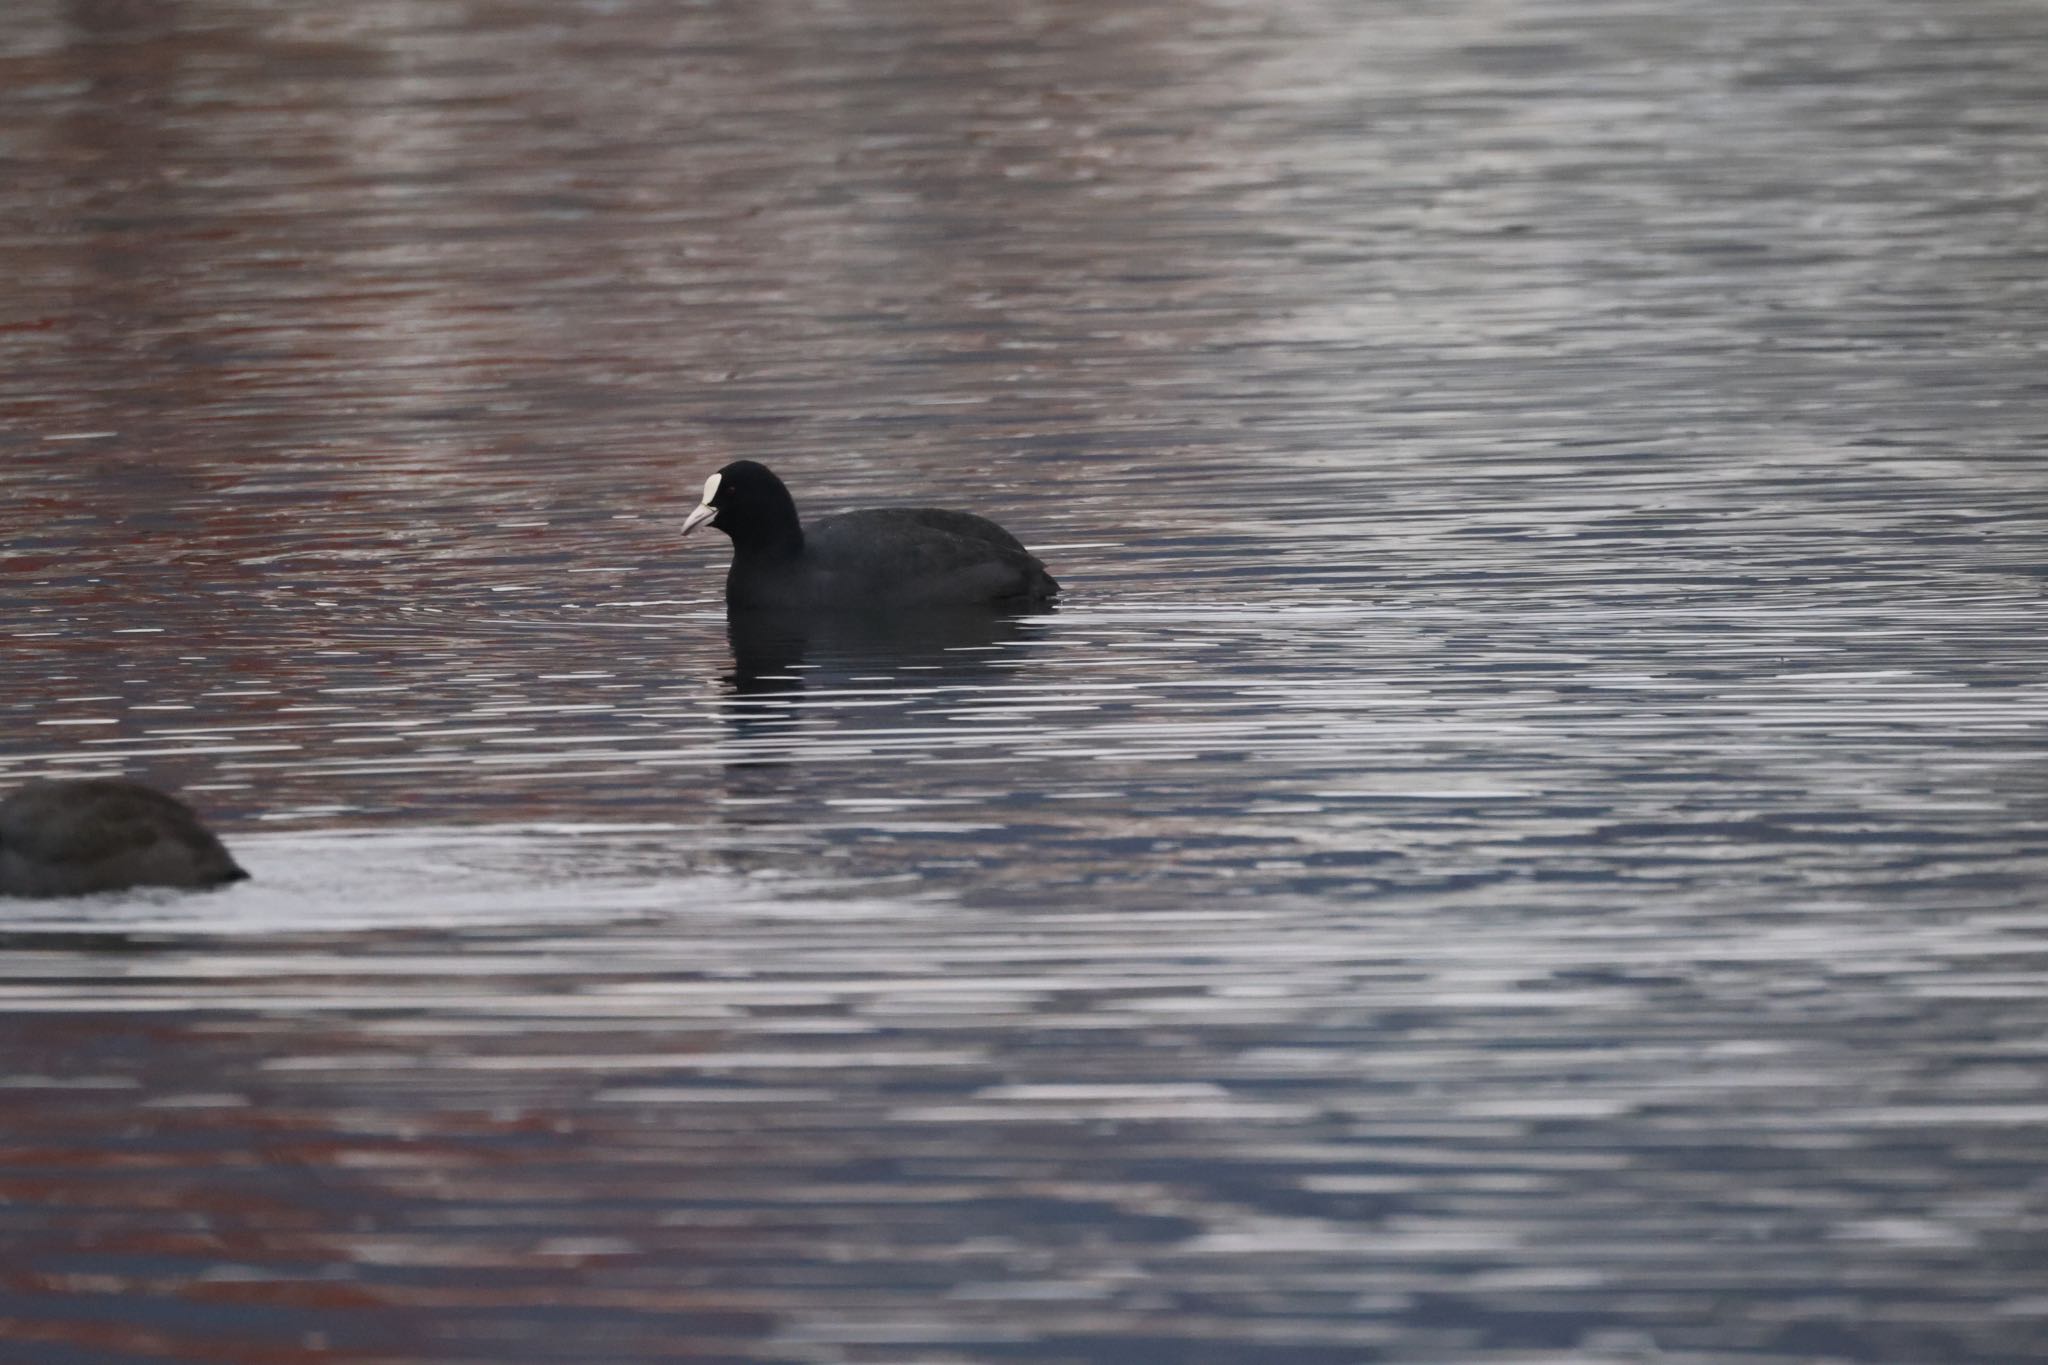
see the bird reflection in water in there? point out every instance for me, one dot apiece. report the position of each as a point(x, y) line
point(774, 651)
point(802, 671)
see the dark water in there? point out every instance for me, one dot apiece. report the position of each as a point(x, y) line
point(1525, 840)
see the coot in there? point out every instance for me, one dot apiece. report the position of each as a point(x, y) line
point(883, 558)
point(78, 836)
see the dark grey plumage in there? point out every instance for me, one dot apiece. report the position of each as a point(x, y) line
point(78, 836)
point(882, 558)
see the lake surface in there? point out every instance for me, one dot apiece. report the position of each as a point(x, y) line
point(1525, 839)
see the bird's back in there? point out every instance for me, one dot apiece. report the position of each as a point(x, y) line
point(72, 838)
point(931, 555)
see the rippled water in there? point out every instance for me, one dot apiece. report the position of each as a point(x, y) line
point(1525, 839)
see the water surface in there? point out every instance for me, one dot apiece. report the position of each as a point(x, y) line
point(1523, 840)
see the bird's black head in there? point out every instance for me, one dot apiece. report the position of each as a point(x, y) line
point(747, 502)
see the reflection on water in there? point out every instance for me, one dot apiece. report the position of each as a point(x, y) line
point(779, 651)
point(1521, 841)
